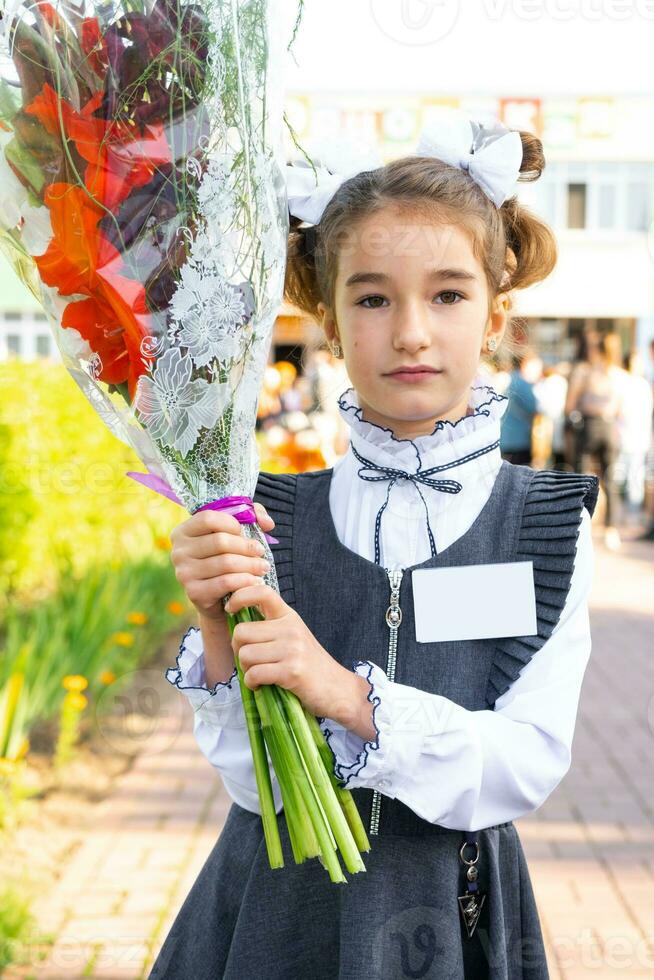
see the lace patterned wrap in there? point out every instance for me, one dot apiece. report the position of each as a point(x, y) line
point(142, 201)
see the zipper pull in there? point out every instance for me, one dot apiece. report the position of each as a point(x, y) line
point(393, 620)
point(394, 612)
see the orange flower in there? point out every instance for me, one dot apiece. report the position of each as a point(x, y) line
point(93, 45)
point(119, 156)
point(176, 608)
point(107, 677)
point(162, 542)
point(71, 258)
point(137, 618)
point(79, 259)
point(50, 15)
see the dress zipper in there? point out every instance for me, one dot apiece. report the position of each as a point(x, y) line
point(393, 619)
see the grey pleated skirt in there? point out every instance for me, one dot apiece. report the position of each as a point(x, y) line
point(400, 918)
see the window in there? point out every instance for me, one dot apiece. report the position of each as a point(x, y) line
point(576, 205)
point(637, 218)
point(13, 344)
point(43, 345)
point(606, 206)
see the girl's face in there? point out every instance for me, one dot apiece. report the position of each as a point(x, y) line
point(410, 292)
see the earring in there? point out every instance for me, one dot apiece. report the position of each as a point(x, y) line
point(491, 343)
point(336, 350)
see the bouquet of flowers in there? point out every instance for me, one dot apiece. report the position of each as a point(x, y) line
point(142, 200)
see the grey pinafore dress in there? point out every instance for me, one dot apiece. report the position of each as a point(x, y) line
point(400, 918)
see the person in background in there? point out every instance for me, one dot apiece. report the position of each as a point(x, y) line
point(595, 398)
point(269, 406)
point(648, 534)
point(649, 371)
point(518, 420)
point(635, 430)
point(327, 377)
point(550, 394)
point(290, 395)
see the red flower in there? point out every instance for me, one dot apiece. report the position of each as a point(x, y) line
point(79, 259)
point(119, 156)
point(93, 45)
point(50, 15)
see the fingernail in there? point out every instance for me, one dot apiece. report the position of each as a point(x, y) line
point(265, 565)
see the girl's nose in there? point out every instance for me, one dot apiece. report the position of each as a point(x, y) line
point(411, 332)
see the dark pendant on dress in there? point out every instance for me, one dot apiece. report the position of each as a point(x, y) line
point(471, 904)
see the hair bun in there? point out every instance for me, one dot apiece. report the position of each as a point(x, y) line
point(533, 158)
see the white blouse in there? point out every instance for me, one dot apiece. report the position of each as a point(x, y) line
point(466, 769)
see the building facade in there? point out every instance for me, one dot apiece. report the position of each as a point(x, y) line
point(597, 193)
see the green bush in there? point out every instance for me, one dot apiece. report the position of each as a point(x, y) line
point(64, 496)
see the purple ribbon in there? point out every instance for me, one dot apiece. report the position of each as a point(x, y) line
point(241, 507)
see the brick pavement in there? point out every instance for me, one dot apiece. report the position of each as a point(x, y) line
point(589, 847)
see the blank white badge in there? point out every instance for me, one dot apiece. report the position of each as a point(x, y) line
point(474, 602)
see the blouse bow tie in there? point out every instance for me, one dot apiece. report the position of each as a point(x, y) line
point(392, 474)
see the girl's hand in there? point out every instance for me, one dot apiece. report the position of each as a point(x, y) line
point(281, 649)
point(212, 557)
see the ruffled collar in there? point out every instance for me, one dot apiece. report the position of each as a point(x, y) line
point(446, 442)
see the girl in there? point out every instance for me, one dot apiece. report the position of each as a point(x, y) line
point(433, 609)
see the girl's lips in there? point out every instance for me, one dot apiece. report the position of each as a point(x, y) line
point(414, 375)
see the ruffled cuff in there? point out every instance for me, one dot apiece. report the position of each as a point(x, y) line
point(357, 762)
point(189, 676)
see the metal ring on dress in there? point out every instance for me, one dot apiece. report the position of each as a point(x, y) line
point(475, 859)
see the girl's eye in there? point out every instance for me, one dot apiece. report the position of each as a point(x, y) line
point(451, 292)
point(446, 292)
point(365, 298)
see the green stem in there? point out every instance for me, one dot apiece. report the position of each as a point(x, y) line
point(344, 796)
point(261, 770)
point(321, 781)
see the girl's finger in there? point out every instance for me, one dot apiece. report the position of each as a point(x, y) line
point(206, 521)
point(221, 543)
point(263, 517)
point(257, 653)
point(260, 632)
point(264, 596)
point(262, 674)
point(204, 568)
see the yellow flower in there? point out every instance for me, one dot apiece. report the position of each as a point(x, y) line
point(162, 542)
point(138, 618)
point(75, 682)
point(7, 766)
point(107, 677)
point(75, 701)
point(123, 639)
point(175, 607)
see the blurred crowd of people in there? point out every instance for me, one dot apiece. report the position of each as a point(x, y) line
point(298, 423)
point(594, 415)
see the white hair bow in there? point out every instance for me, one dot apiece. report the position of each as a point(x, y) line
point(335, 161)
point(490, 154)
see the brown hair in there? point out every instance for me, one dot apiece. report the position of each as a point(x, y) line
point(515, 248)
